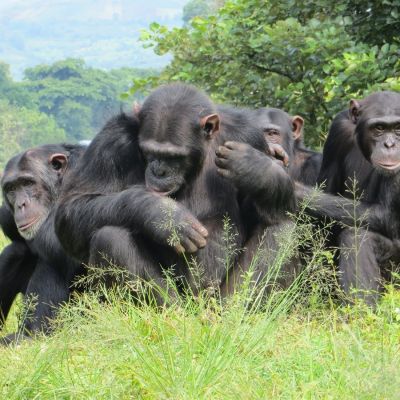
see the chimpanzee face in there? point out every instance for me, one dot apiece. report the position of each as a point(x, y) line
point(167, 166)
point(377, 120)
point(30, 184)
point(380, 142)
point(175, 129)
point(279, 127)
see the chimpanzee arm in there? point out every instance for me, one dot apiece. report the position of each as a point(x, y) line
point(107, 189)
point(136, 209)
point(16, 266)
point(258, 176)
point(46, 292)
point(342, 209)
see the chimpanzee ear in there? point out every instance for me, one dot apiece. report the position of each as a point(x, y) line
point(136, 108)
point(210, 125)
point(58, 162)
point(297, 127)
point(354, 110)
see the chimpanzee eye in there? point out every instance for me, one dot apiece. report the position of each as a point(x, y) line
point(397, 129)
point(271, 132)
point(379, 128)
point(56, 165)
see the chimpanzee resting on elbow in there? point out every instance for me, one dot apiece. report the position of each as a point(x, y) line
point(35, 263)
point(142, 170)
point(364, 144)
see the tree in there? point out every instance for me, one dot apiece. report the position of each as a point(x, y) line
point(79, 97)
point(308, 58)
point(21, 128)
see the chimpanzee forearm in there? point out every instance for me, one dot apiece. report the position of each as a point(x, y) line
point(43, 300)
point(259, 178)
point(342, 209)
point(136, 209)
point(16, 267)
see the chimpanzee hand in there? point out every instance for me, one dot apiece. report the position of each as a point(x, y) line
point(278, 153)
point(172, 223)
point(243, 164)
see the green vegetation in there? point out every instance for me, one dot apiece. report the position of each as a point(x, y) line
point(293, 343)
point(65, 101)
point(117, 350)
point(308, 58)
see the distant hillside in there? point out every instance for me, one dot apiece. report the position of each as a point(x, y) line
point(103, 32)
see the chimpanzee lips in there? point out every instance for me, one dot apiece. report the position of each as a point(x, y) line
point(161, 192)
point(389, 165)
point(26, 226)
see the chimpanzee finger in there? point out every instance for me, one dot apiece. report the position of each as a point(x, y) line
point(179, 248)
point(196, 238)
point(200, 228)
point(188, 245)
point(223, 152)
point(278, 152)
point(224, 172)
point(221, 162)
point(282, 153)
point(234, 145)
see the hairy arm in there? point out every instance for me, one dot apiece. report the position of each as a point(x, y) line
point(106, 188)
point(259, 177)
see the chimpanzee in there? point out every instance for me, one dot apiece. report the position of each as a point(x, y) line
point(364, 144)
point(148, 174)
point(260, 178)
point(34, 263)
point(282, 129)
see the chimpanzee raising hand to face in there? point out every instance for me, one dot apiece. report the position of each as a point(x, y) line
point(268, 186)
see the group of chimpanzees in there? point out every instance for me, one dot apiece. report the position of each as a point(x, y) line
point(160, 182)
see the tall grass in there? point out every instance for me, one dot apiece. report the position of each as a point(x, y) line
point(261, 343)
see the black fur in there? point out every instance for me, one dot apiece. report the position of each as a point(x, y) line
point(36, 266)
point(140, 168)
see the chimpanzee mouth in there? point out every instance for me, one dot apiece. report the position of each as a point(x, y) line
point(161, 192)
point(389, 166)
point(25, 227)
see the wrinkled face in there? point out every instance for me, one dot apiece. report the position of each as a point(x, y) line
point(176, 128)
point(29, 203)
point(167, 166)
point(26, 192)
point(377, 129)
point(279, 127)
point(379, 141)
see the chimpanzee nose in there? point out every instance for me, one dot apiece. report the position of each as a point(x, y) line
point(389, 143)
point(21, 204)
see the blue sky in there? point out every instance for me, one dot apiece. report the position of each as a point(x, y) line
point(103, 32)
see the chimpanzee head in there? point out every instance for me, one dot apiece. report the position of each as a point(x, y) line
point(280, 128)
point(177, 123)
point(377, 120)
point(31, 183)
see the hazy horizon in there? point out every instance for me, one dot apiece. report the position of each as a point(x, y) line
point(104, 32)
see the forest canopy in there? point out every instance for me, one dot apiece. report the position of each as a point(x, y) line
point(64, 101)
point(308, 58)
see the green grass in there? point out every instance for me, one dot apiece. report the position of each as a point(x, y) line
point(296, 347)
point(116, 350)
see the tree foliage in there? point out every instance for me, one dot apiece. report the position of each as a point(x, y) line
point(65, 101)
point(21, 128)
point(308, 58)
point(79, 97)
